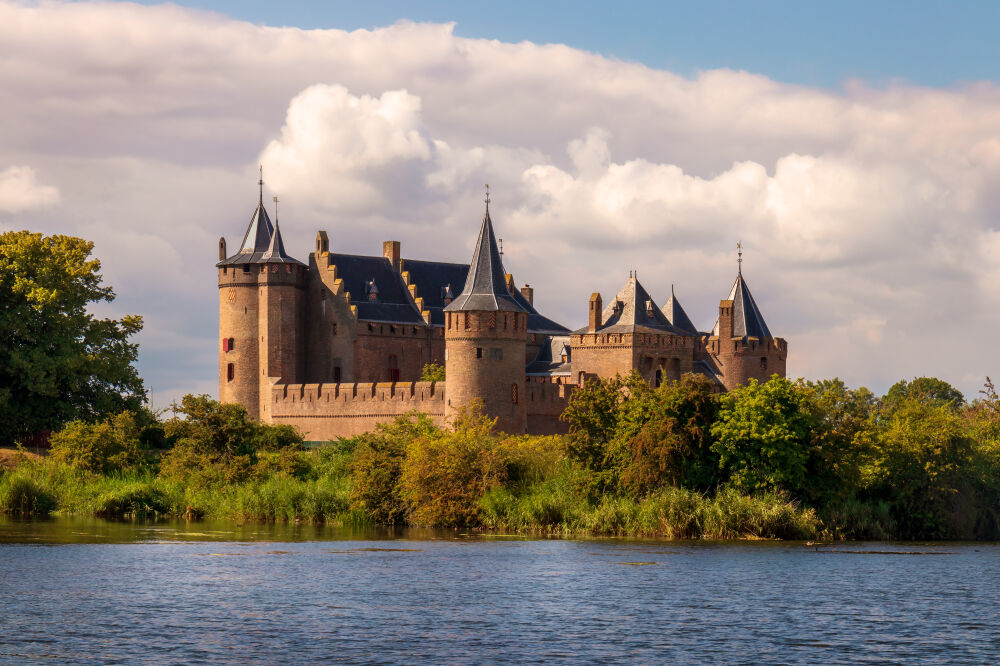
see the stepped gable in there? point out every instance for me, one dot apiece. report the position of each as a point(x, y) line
point(485, 286)
point(275, 253)
point(392, 303)
point(747, 320)
point(633, 310)
point(675, 314)
point(434, 280)
point(549, 361)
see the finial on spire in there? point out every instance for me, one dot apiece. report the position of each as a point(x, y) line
point(739, 260)
point(487, 198)
point(275, 198)
point(260, 182)
point(500, 240)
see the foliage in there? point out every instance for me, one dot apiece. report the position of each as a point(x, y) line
point(59, 362)
point(219, 443)
point(377, 466)
point(762, 436)
point(444, 476)
point(432, 372)
point(924, 389)
point(111, 445)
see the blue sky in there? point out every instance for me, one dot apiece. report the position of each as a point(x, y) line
point(814, 43)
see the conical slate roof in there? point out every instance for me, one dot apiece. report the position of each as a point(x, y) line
point(633, 309)
point(485, 286)
point(256, 240)
point(747, 320)
point(275, 253)
point(675, 314)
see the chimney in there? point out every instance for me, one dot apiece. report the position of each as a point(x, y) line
point(322, 243)
point(725, 320)
point(222, 249)
point(529, 294)
point(594, 321)
point(390, 250)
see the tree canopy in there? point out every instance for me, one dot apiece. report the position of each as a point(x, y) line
point(58, 361)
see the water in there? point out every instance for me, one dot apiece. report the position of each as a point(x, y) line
point(88, 591)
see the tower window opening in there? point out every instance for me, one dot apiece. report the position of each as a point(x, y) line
point(225, 344)
point(230, 372)
point(393, 363)
point(479, 352)
point(763, 363)
point(246, 268)
point(336, 374)
point(333, 329)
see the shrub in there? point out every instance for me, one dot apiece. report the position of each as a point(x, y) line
point(443, 477)
point(432, 372)
point(107, 446)
point(21, 494)
point(377, 466)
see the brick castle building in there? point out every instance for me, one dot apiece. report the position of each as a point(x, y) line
point(338, 345)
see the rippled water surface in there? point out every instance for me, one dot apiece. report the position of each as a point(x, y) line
point(92, 591)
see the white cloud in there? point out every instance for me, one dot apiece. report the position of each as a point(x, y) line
point(20, 190)
point(871, 217)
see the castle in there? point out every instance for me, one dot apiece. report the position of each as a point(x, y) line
point(338, 345)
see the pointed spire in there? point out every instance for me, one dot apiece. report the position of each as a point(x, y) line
point(748, 322)
point(486, 284)
point(675, 314)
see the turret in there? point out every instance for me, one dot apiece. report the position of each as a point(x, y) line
point(260, 314)
point(741, 342)
point(485, 338)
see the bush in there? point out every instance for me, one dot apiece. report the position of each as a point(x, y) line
point(21, 494)
point(377, 466)
point(107, 446)
point(444, 476)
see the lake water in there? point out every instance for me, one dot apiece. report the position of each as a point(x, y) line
point(89, 591)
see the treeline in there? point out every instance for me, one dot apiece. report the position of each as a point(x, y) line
point(776, 460)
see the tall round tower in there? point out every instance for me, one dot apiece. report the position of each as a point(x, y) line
point(485, 341)
point(239, 313)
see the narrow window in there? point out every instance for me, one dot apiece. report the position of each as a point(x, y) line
point(246, 268)
point(479, 352)
point(763, 363)
point(230, 372)
point(336, 374)
point(333, 328)
point(393, 368)
point(225, 344)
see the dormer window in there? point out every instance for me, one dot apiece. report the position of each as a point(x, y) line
point(446, 294)
point(372, 290)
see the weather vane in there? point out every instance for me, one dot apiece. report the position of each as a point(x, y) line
point(487, 199)
point(739, 255)
point(261, 183)
point(275, 199)
point(501, 246)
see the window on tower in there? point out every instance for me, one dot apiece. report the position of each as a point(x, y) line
point(230, 372)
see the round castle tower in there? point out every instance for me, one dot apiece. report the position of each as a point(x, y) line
point(260, 312)
point(485, 339)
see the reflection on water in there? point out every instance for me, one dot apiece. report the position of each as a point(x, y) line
point(75, 590)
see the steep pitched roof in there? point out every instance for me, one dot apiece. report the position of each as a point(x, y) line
point(275, 253)
point(675, 314)
point(485, 287)
point(633, 309)
point(747, 320)
point(549, 361)
point(392, 304)
point(256, 240)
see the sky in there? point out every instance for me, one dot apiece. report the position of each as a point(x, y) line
point(853, 148)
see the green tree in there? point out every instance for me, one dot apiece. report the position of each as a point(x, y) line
point(432, 372)
point(762, 436)
point(111, 445)
point(673, 446)
point(930, 390)
point(59, 362)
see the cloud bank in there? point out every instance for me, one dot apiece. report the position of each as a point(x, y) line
point(870, 217)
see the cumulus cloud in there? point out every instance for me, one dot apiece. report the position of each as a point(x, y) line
point(21, 191)
point(870, 217)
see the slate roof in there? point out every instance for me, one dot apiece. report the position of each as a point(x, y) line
point(275, 253)
point(487, 288)
point(628, 313)
point(549, 359)
point(392, 303)
point(675, 314)
point(256, 240)
point(747, 320)
point(703, 368)
point(431, 278)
